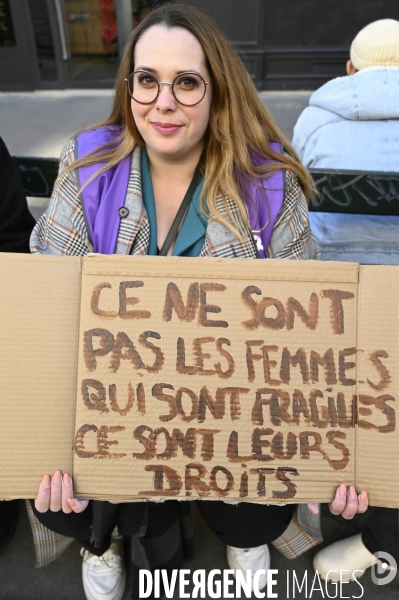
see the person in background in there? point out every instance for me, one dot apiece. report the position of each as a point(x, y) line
point(187, 131)
point(352, 123)
point(16, 224)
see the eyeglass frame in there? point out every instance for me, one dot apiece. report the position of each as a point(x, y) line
point(166, 83)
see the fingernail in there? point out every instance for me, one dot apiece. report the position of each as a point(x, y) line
point(57, 477)
point(66, 479)
point(46, 481)
point(342, 489)
point(363, 497)
point(352, 492)
point(71, 503)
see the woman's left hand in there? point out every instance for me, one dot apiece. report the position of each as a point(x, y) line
point(56, 493)
point(345, 503)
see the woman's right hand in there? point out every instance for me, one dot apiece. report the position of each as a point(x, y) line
point(56, 493)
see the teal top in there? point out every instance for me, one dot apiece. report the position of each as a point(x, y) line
point(191, 236)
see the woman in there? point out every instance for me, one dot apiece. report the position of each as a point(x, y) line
point(186, 123)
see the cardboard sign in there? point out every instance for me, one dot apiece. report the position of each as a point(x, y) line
point(149, 377)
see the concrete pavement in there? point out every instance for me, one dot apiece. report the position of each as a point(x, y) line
point(40, 123)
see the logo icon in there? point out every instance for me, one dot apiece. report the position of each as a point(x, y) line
point(385, 570)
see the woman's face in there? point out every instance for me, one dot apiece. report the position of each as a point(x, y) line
point(171, 131)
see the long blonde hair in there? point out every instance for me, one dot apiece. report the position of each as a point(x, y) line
point(239, 124)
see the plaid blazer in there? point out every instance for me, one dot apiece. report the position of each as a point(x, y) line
point(63, 230)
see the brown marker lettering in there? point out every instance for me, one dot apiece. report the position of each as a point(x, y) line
point(147, 442)
point(170, 448)
point(200, 355)
point(206, 308)
point(181, 366)
point(159, 356)
point(113, 400)
point(214, 485)
point(299, 358)
point(244, 485)
point(314, 411)
point(278, 403)
point(123, 342)
point(103, 443)
point(94, 401)
point(161, 472)
point(299, 406)
point(95, 297)
point(277, 446)
point(194, 404)
point(309, 318)
point(338, 464)
point(124, 302)
point(337, 310)
point(195, 481)
point(220, 342)
point(345, 420)
point(157, 392)
point(186, 441)
point(79, 444)
point(306, 448)
point(385, 377)
point(207, 442)
point(174, 301)
point(216, 407)
point(234, 393)
point(381, 404)
point(261, 473)
point(290, 492)
point(252, 305)
point(258, 443)
point(232, 449)
point(106, 341)
point(327, 362)
point(251, 356)
point(267, 363)
point(346, 366)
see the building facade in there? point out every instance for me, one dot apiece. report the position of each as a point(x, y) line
point(285, 44)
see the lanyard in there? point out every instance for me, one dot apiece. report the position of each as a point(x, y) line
point(174, 228)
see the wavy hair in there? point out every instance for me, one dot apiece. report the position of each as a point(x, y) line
point(239, 126)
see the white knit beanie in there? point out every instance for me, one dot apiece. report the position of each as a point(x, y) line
point(376, 44)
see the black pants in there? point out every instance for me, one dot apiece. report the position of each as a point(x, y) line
point(160, 540)
point(246, 525)
point(74, 525)
point(8, 522)
point(243, 525)
point(381, 532)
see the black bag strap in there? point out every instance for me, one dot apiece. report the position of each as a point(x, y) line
point(180, 213)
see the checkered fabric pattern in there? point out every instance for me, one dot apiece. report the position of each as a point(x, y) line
point(62, 229)
point(48, 544)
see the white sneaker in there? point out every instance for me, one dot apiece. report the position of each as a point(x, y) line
point(104, 577)
point(350, 556)
point(253, 559)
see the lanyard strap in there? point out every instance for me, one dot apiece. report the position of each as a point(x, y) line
point(170, 238)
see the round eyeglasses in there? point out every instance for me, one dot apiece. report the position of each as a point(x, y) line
point(187, 88)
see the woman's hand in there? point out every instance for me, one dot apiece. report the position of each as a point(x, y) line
point(346, 503)
point(57, 494)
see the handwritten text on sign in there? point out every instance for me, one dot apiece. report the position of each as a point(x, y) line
point(221, 389)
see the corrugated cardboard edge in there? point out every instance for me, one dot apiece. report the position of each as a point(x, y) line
point(37, 369)
point(217, 268)
point(379, 467)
